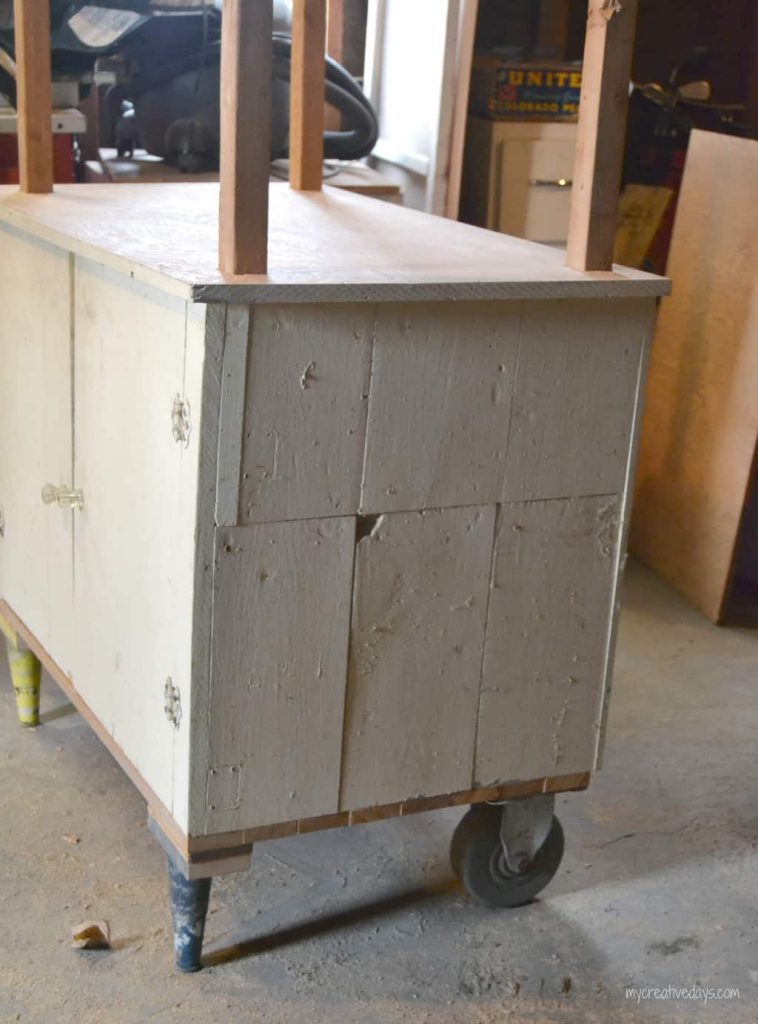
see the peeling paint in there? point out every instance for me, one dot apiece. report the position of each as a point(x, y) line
point(608, 519)
point(307, 375)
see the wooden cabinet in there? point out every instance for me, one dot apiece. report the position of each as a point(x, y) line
point(517, 177)
point(349, 535)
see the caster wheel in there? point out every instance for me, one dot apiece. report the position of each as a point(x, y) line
point(477, 858)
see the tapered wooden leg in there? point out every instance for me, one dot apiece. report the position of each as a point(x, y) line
point(189, 908)
point(26, 675)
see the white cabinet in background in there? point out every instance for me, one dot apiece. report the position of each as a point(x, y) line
point(517, 177)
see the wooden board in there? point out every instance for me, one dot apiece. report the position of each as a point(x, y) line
point(606, 70)
point(134, 539)
point(36, 436)
point(701, 424)
point(574, 400)
point(469, 10)
point(419, 608)
point(245, 126)
point(221, 335)
point(440, 405)
point(196, 848)
point(641, 212)
point(306, 141)
point(332, 246)
point(547, 640)
point(280, 618)
point(35, 98)
point(305, 412)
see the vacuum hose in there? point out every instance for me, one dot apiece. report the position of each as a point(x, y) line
point(180, 101)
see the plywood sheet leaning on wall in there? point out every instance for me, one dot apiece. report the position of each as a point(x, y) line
point(548, 629)
point(701, 420)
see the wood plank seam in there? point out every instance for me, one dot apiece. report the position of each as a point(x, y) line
point(237, 336)
point(490, 586)
point(626, 520)
point(197, 845)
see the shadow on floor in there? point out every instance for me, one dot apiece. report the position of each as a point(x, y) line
point(327, 923)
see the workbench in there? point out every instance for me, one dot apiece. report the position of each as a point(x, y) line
point(333, 533)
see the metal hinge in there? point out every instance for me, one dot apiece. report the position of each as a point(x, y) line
point(172, 703)
point(181, 424)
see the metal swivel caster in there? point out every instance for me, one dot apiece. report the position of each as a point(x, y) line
point(504, 854)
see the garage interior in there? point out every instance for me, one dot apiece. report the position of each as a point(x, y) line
point(499, 191)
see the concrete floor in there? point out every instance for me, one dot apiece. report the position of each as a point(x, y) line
point(658, 886)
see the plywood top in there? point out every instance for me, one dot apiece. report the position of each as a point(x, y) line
point(332, 246)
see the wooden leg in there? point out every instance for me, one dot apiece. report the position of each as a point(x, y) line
point(26, 674)
point(189, 907)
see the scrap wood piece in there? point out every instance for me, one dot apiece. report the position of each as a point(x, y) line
point(91, 935)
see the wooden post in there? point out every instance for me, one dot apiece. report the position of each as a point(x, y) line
point(307, 95)
point(602, 128)
point(335, 47)
point(35, 95)
point(469, 13)
point(245, 158)
point(335, 30)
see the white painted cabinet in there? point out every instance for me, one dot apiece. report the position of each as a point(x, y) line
point(517, 177)
point(351, 533)
point(36, 436)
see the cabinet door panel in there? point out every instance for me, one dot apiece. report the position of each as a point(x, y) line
point(35, 428)
point(134, 543)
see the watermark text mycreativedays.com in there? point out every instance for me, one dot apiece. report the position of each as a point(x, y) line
point(677, 993)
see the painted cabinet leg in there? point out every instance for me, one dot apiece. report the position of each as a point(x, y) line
point(26, 675)
point(189, 907)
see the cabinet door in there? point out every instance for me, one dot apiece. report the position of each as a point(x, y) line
point(35, 430)
point(136, 350)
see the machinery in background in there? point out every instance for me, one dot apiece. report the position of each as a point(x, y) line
point(163, 57)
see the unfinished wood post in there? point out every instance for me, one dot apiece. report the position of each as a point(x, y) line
point(335, 47)
point(245, 157)
point(602, 128)
point(35, 95)
point(307, 95)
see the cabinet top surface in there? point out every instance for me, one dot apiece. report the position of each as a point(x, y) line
point(325, 246)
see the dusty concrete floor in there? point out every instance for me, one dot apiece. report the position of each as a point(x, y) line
point(658, 886)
